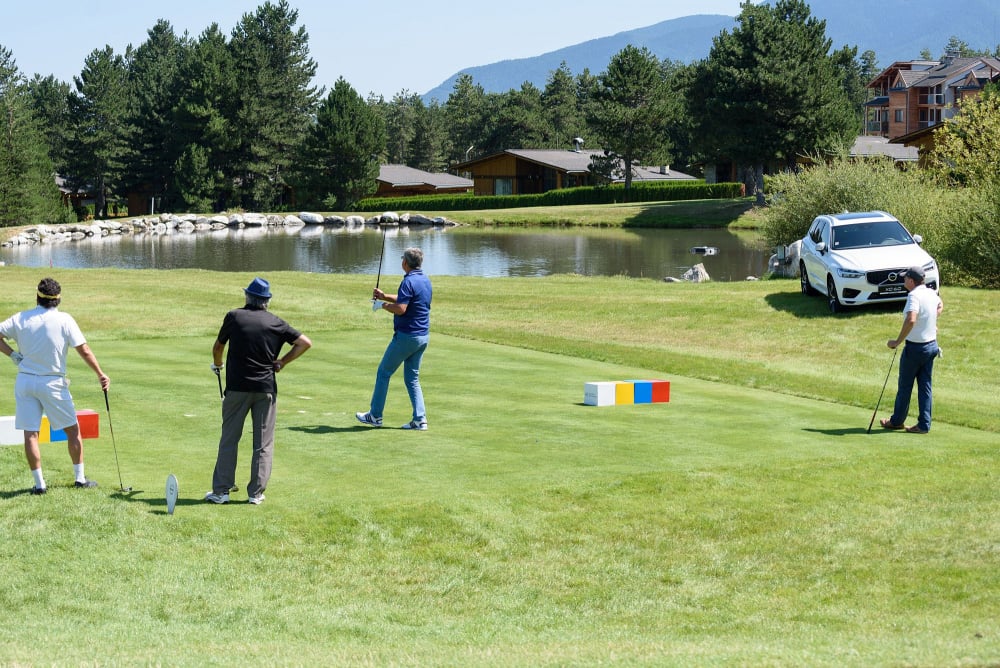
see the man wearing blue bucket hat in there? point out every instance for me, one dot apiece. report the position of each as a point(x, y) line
point(255, 338)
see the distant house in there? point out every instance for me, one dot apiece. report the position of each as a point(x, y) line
point(867, 147)
point(912, 98)
point(531, 171)
point(403, 181)
point(72, 198)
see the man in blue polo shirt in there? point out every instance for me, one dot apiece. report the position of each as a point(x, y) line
point(411, 309)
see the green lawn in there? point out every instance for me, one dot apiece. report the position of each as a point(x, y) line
point(750, 521)
point(682, 214)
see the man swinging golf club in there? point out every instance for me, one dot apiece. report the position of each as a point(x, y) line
point(255, 338)
point(43, 336)
point(411, 310)
point(919, 330)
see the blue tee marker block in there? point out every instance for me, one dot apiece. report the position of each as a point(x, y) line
point(643, 391)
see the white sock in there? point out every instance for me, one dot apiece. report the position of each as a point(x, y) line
point(39, 480)
point(78, 472)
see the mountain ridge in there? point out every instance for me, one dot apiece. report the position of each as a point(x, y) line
point(916, 25)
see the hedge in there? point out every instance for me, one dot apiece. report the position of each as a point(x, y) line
point(640, 192)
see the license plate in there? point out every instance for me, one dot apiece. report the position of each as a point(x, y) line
point(892, 289)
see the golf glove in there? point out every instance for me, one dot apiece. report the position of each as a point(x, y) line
point(217, 368)
point(376, 305)
point(16, 357)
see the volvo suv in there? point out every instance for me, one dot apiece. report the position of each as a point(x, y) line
point(860, 258)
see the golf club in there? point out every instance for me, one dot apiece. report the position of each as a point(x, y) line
point(218, 374)
point(375, 304)
point(891, 362)
point(111, 428)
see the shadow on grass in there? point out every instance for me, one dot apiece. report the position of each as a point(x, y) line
point(158, 504)
point(327, 429)
point(686, 214)
point(802, 306)
point(845, 431)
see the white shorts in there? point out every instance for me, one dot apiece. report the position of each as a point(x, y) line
point(36, 395)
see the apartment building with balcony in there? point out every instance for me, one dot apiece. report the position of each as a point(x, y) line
point(910, 97)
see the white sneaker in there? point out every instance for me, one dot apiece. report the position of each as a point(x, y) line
point(256, 500)
point(413, 424)
point(217, 498)
point(368, 419)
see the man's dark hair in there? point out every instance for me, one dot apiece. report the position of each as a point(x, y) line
point(49, 293)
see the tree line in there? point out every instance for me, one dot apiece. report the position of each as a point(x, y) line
point(231, 122)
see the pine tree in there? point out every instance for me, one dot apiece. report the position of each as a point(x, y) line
point(770, 91)
point(629, 111)
point(564, 122)
point(340, 153)
point(205, 172)
point(100, 143)
point(50, 103)
point(28, 192)
point(275, 101)
point(154, 77)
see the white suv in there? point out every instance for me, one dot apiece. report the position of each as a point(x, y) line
point(860, 258)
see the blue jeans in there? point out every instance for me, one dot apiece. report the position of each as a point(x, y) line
point(408, 350)
point(916, 364)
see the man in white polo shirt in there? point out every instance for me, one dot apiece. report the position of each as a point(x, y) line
point(43, 336)
point(919, 330)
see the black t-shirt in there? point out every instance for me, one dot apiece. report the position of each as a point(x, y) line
point(255, 337)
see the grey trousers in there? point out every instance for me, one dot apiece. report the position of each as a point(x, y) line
point(262, 408)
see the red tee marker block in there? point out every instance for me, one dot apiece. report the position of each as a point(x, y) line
point(88, 422)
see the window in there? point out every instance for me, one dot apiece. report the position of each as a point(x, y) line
point(898, 115)
point(503, 187)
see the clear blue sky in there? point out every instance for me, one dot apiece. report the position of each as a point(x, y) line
point(379, 46)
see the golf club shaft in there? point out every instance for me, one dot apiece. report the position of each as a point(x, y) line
point(114, 445)
point(382, 255)
point(891, 362)
point(219, 376)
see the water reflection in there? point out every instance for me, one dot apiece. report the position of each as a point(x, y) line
point(458, 251)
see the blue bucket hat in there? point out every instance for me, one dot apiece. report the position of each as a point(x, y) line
point(259, 288)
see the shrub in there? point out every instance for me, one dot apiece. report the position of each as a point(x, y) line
point(852, 185)
point(641, 192)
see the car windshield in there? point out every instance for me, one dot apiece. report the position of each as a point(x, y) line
point(866, 235)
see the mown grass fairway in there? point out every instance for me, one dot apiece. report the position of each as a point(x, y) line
point(750, 521)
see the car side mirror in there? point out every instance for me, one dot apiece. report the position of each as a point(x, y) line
point(919, 239)
point(821, 247)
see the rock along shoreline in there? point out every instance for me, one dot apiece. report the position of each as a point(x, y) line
point(169, 223)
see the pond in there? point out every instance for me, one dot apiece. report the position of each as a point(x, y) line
point(457, 251)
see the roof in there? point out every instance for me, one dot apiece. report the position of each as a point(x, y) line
point(865, 147)
point(577, 162)
point(399, 176)
point(948, 71)
point(658, 174)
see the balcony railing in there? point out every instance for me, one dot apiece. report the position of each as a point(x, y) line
point(877, 128)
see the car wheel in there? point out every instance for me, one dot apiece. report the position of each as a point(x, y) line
point(807, 289)
point(831, 293)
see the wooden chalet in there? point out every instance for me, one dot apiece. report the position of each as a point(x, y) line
point(532, 171)
point(403, 181)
